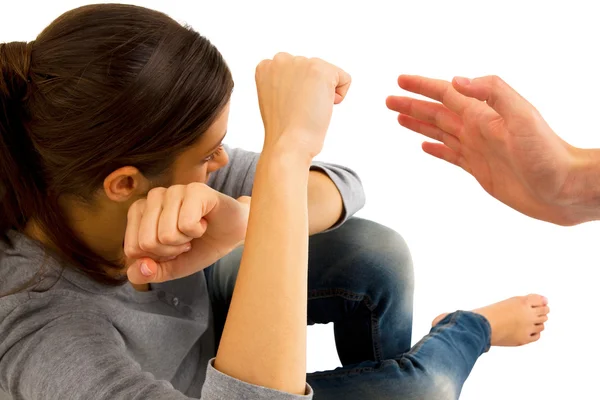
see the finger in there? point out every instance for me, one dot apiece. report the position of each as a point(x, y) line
point(245, 199)
point(130, 244)
point(431, 131)
point(433, 113)
point(168, 231)
point(435, 89)
point(146, 270)
point(134, 216)
point(341, 79)
point(148, 228)
point(343, 85)
point(282, 57)
point(199, 200)
point(538, 328)
point(542, 319)
point(497, 93)
point(264, 64)
point(445, 153)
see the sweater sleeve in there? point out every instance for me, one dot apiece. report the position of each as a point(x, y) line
point(83, 356)
point(237, 178)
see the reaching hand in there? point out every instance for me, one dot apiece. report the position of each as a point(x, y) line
point(178, 231)
point(489, 130)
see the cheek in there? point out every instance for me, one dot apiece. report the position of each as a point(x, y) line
point(197, 173)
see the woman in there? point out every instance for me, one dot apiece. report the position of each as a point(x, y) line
point(112, 121)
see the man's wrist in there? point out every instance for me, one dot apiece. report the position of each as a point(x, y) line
point(582, 194)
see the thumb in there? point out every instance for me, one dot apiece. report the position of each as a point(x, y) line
point(497, 93)
point(244, 200)
point(146, 270)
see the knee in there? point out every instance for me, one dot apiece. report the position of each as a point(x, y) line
point(441, 387)
point(381, 248)
point(374, 251)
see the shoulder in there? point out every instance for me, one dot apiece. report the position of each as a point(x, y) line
point(33, 283)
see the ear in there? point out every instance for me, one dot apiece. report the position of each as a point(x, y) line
point(125, 183)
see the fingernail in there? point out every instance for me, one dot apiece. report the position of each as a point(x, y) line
point(145, 270)
point(170, 258)
point(187, 248)
point(462, 81)
point(545, 300)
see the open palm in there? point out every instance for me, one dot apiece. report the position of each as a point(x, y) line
point(490, 131)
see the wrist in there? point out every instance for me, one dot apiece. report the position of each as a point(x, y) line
point(581, 192)
point(286, 147)
point(284, 166)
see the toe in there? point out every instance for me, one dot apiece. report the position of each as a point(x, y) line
point(541, 311)
point(536, 300)
point(538, 328)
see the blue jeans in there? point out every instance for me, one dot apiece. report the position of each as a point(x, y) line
point(360, 277)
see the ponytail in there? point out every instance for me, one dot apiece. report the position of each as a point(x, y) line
point(24, 195)
point(21, 189)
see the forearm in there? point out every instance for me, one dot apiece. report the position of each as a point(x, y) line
point(582, 190)
point(264, 340)
point(325, 205)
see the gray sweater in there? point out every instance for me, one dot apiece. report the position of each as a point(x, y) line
point(68, 337)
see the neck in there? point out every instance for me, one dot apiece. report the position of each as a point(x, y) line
point(102, 232)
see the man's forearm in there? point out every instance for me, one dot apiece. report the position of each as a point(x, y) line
point(583, 186)
point(325, 205)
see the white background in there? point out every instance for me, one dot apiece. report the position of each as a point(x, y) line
point(469, 250)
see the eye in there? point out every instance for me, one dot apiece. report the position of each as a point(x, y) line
point(215, 154)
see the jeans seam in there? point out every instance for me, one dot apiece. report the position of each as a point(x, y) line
point(348, 295)
point(448, 325)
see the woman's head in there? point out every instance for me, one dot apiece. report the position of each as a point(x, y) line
point(107, 102)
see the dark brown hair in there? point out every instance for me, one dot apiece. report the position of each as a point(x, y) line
point(102, 87)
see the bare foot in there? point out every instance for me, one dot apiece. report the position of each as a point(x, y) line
point(516, 321)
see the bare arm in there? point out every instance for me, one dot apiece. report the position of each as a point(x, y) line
point(264, 340)
point(581, 193)
point(325, 206)
point(335, 192)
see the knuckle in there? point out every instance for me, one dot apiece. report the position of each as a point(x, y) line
point(495, 81)
point(135, 209)
point(146, 243)
point(281, 57)
point(187, 225)
point(195, 188)
point(156, 193)
point(261, 66)
point(131, 250)
point(168, 237)
point(300, 60)
point(315, 68)
point(174, 191)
